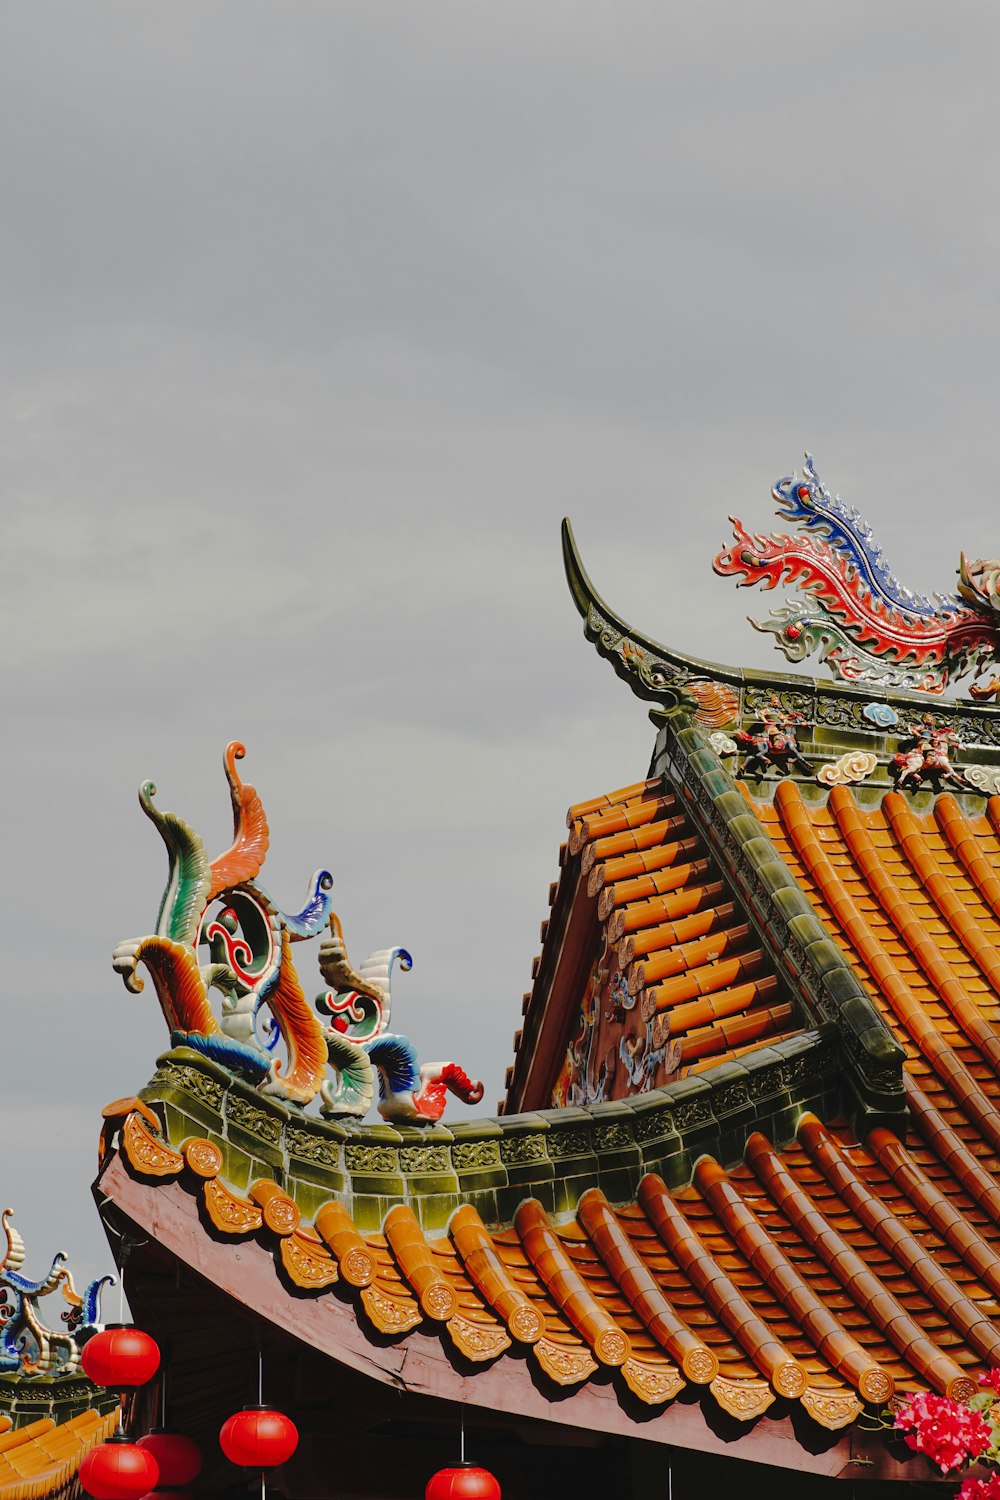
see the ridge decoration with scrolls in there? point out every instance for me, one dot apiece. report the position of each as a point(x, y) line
point(28, 1346)
point(219, 930)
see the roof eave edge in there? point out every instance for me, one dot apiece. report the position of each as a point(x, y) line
point(553, 1155)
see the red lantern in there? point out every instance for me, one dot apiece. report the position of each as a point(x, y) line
point(118, 1470)
point(121, 1357)
point(462, 1482)
point(179, 1458)
point(258, 1437)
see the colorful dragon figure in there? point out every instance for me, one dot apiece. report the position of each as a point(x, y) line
point(360, 1044)
point(219, 929)
point(27, 1345)
point(865, 625)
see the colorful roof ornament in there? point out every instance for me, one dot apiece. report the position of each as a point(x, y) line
point(865, 625)
point(218, 929)
point(27, 1345)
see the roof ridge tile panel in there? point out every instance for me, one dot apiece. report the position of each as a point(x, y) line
point(928, 1200)
point(670, 935)
point(912, 932)
point(619, 819)
point(648, 872)
point(905, 1249)
point(565, 1285)
point(952, 1152)
point(837, 1346)
point(697, 968)
point(965, 846)
point(633, 793)
point(872, 1297)
point(641, 1290)
point(767, 1353)
point(646, 837)
point(861, 941)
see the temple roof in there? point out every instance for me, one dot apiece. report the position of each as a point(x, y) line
point(758, 1229)
point(746, 1168)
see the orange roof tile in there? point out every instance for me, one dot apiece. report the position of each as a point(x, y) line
point(42, 1458)
point(654, 920)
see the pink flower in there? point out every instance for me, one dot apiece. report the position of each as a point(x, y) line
point(991, 1379)
point(948, 1432)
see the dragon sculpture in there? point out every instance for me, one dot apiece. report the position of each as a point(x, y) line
point(865, 625)
point(27, 1345)
point(218, 929)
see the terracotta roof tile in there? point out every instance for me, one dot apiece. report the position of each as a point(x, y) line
point(42, 1458)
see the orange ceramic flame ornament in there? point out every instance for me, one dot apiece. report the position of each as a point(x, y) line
point(251, 836)
point(178, 984)
point(303, 1034)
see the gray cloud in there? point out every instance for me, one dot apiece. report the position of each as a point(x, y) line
point(315, 321)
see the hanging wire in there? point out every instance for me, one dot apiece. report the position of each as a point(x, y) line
point(670, 1479)
point(461, 1443)
point(260, 1402)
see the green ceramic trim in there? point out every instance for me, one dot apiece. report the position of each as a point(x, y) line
point(799, 944)
point(554, 1155)
point(28, 1398)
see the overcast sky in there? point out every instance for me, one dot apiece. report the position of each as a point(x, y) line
point(315, 318)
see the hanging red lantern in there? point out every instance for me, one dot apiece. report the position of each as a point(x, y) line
point(462, 1482)
point(118, 1470)
point(120, 1357)
point(179, 1458)
point(258, 1437)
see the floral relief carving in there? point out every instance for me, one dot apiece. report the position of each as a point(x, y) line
point(831, 1408)
point(652, 1383)
point(613, 1136)
point(148, 1155)
point(204, 1157)
point(424, 1159)
point(565, 1364)
point(742, 1399)
point(192, 1081)
point(654, 1123)
point(371, 1159)
point(230, 1214)
point(570, 1142)
point(251, 1117)
point(390, 1314)
point(308, 1145)
point(519, 1150)
point(477, 1341)
point(306, 1264)
point(467, 1155)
